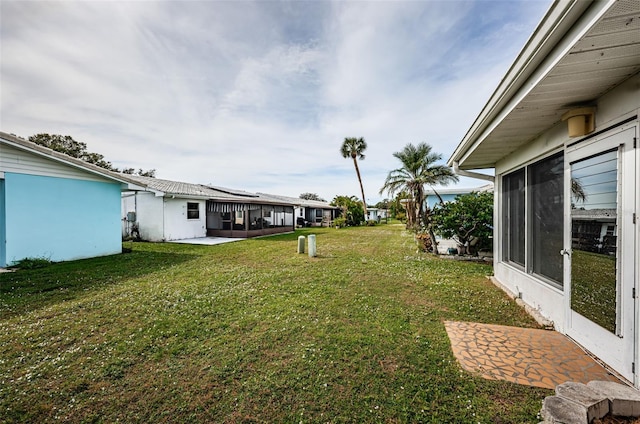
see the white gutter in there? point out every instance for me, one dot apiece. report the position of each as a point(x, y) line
point(471, 174)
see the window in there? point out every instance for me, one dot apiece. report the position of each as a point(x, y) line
point(513, 217)
point(547, 216)
point(193, 210)
point(532, 218)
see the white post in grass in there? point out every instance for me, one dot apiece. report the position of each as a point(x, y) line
point(301, 244)
point(312, 245)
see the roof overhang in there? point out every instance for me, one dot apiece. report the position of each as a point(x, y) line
point(35, 149)
point(580, 51)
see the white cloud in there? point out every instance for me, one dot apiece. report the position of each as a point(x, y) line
point(256, 95)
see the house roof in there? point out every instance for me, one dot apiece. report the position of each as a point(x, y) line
point(318, 204)
point(36, 149)
point(594, 214)
point(580, 51)
point(453, 190)
point(201, 191)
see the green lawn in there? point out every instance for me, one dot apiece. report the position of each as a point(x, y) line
point(251, 332)
point(593, 287)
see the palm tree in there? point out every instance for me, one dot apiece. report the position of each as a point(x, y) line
point(418, 170)
point(354, 148)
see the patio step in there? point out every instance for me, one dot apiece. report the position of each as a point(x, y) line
point(577, 403)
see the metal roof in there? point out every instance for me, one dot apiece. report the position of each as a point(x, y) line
point(580, 51)
point(201, 191)
point(302, 202)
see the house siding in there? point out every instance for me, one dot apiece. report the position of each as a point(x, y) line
point(60, 218)
point(23, 162)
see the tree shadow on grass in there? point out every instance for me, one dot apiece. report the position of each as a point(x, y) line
point(29, 290)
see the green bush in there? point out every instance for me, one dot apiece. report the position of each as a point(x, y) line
point(468, 220)
point(340, 222)
point(372, 223)
point(32, 263)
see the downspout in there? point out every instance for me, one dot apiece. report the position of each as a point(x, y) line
point(471, 174)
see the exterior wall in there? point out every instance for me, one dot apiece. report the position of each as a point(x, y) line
point(433, 200)
point(619, 104)
point(2, 223)
point(176, 224)
point(60, 218)
point(164, 219)
point(22, 162)
point(149, 214)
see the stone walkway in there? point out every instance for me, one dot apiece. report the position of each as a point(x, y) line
point(532, 357)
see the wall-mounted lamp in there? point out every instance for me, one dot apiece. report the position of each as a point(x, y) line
point(580, 121)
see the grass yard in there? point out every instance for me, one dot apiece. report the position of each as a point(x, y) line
point(251, 332)
point(593, 287)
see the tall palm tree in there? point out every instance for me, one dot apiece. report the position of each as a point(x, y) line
point(354, 148)
point(419, 169)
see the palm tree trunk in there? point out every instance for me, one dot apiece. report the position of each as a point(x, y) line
point(425, 219)
point(364, 201)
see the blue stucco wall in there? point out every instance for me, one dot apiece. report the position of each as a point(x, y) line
point(60, 219)
point(432, 199)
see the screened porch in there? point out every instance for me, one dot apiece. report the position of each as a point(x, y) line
point(226, 219)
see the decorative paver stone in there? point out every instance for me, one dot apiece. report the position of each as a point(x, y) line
point(529, 356)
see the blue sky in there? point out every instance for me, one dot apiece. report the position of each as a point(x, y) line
point(257, 95)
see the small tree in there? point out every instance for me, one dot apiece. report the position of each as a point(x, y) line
point(351, 209)
point(468, 220)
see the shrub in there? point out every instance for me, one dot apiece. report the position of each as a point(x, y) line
point(372, 223)
point(32, 263)
point(340, 222)
point(468, 220)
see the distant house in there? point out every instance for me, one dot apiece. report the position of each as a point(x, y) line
point(167, 210)
point(449, 194)
point(561, 131)
point(54, 206)
point(376, 214)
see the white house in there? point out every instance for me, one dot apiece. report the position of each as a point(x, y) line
point(172, 210)
point(561, 132)
point(54, 206)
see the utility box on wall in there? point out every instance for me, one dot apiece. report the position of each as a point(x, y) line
point(131, 216)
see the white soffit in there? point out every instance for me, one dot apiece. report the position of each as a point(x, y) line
point(606, 55)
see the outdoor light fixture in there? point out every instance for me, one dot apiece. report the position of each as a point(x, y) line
point(580, 121)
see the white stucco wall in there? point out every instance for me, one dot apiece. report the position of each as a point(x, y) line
point(176, 224)
point(149, 214)
point(163, 218)
point(616, 106)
